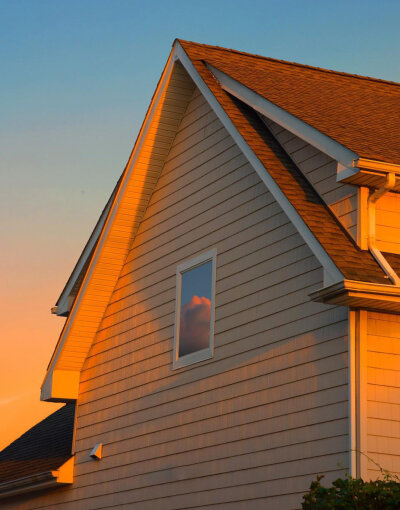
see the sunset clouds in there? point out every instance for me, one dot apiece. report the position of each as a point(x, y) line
point(194, 330)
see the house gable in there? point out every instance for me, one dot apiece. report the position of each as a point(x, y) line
point(255, 407)
point(269, 408)
point(323, 234)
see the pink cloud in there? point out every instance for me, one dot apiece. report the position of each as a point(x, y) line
point(194, 333)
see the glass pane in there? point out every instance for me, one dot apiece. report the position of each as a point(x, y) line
point(194, 327)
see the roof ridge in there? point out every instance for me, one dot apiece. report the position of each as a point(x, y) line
point(297, 64)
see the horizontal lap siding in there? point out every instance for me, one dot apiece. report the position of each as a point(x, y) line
point(320, 170)
point(383, 392)
point(388, 223)
point(254, 424)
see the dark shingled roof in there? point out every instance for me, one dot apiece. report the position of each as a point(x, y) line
point(44, 447)
point(354, 263)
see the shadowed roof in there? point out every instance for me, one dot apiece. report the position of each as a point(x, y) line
point(44, 447)
point(361, 113)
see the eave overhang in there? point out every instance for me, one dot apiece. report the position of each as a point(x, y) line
point(65, 301)
point(371, 296)
point(368, 172)
point(39, 481)
point(285, 119)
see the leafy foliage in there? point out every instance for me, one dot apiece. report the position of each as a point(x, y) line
point(354, 494)
point(350, 493)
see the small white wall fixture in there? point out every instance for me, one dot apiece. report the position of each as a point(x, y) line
point(97, 451)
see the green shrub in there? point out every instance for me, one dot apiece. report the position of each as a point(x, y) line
point(349, 493)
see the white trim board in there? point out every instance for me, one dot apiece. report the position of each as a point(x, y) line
point(203, 354)
point(64, 304)
point(285, 119)
point(331, 272)
point(352, 360)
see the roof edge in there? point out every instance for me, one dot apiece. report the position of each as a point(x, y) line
point(355, 294)
point(39, 481)
point(64, 303)
point(47, 385)
point(263, 106)
point(291, 63)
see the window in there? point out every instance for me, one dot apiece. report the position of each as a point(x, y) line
point(194, 313)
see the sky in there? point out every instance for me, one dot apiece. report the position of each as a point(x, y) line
point(76, 80)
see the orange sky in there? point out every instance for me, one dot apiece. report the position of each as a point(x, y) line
point(28, 332)
point(48, 209)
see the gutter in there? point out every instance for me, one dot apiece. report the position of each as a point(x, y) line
point(373, 198)
point(356, 295)
point(39, 481)
point(376, 166)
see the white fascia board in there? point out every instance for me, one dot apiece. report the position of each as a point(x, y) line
point(164, 80)
point(331, 272)
point(345, 171)
point(285, 119)
point(64, 302)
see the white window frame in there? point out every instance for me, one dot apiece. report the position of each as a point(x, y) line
point(203, 354)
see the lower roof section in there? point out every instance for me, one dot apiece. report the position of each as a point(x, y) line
point(41, 457)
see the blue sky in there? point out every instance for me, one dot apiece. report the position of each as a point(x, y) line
point(76, 80)
point(196, 282)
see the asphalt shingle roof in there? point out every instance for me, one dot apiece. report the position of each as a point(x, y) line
point(359, 112)
point(44, 447)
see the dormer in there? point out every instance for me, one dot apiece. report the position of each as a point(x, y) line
point(340, 131)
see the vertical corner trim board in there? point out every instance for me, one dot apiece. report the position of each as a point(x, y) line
point(377, 393)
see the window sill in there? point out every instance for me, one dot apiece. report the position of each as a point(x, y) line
point(194, 357)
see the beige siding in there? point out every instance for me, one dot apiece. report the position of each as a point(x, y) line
point(320, 170)
point(251, 427)
point(388, 223)
point(383, 392)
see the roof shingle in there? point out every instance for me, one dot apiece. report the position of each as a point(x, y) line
point(44, 447)
point(361, 113)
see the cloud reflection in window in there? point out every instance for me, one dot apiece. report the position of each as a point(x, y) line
point(195, 325)
point(195, 311)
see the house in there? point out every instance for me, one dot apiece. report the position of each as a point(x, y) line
point(232, 325)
